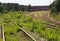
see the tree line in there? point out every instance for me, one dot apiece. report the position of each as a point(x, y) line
point(55, 7)
point(5, 7)
point(13, 6)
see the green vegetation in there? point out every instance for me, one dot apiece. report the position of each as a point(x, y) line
point(55, 10)
point(6, 7)
point(1, 40)
point(55, 7)
point(1, 9)
point(26, 22)
point(56, 17)
point(18, 13)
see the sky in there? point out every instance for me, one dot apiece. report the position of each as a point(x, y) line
point(27, 2)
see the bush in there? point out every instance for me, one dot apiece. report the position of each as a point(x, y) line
point(55, 6)
point(1, 9)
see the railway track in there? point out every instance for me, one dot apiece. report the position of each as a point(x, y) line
point(22, 31)
point(25, 31)
point(28, 34)
point(49, 25)
point(31, 35)
point(2, 32)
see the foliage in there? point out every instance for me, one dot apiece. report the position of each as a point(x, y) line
point(29, 7)
point(1, 40)
point(27, 22)
point(1, 9)
point(13, 7)
point(56, 17)
point(55, 6)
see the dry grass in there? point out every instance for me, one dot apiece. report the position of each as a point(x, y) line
point(38, 13)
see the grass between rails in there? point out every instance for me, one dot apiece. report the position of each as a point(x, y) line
point(30, 24)
point(57, 17)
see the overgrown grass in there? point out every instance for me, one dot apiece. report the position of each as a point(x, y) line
point(57, 17)
point(27, 22)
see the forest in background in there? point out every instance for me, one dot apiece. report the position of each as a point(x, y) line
point(40, 27)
